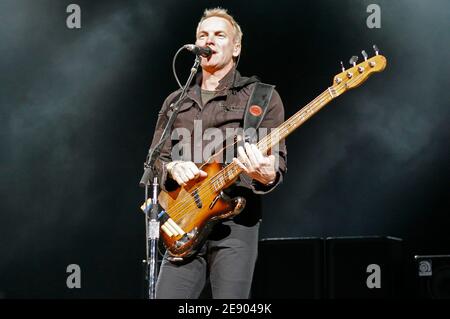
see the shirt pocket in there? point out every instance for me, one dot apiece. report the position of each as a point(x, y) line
point(230, 115)
point(233, 108)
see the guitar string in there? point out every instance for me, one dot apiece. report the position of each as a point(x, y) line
point(202, 189)
point(233, 167)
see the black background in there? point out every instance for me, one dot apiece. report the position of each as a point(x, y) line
point(78, 108)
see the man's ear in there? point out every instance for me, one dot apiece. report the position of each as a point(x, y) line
point(236, 50)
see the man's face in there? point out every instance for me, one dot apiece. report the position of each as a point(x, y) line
point(218, 34)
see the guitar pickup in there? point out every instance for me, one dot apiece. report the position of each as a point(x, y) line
point(197, 199)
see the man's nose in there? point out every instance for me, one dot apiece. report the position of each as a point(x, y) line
point(210, 40)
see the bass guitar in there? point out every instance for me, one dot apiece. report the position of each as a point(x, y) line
point(190, 211)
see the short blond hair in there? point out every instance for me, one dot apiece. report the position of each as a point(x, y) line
point(222, 13)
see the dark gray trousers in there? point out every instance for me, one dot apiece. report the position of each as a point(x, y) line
point(228, 257)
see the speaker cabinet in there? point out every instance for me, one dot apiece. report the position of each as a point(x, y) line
point(433, 276)
point(289, 268)
point(363, 267)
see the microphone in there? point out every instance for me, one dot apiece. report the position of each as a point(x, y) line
point(203, 51)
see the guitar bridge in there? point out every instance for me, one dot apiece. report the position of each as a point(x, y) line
point(186, 237)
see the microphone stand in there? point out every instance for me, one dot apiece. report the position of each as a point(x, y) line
point(150, 173)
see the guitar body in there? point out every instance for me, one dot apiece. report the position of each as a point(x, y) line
point(195, 210)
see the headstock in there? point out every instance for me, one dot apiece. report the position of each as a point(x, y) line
point(357, 74)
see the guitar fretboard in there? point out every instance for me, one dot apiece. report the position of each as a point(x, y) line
point(228, 174)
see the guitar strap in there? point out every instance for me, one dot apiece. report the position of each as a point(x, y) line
point(256, 109)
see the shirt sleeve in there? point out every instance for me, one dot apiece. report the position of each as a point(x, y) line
point(274, 118)
point(166, 182)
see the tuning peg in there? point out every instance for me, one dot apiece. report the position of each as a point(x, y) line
point(375, 48)
point(342, 67)
point(364, 54)
point(353, 60)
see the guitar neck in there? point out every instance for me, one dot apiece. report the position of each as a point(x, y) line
point(228, 174)
point(296, 120)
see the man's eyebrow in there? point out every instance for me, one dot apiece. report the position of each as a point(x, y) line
point(202, 33)
point(215, 32)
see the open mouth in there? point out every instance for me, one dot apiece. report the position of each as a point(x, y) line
point(212, 54)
